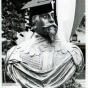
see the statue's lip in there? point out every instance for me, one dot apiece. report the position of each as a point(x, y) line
point(49, 25)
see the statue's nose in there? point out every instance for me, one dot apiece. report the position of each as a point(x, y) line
point(51, 19)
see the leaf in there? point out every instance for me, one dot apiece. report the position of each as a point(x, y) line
point(22, 35)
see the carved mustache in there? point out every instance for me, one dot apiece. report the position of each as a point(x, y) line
point(50, 24)
point(49, 27)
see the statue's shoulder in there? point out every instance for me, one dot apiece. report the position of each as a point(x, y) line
point(24, 44)
point(18, 48)
point(70, 47)
point(64, 47)
point(74, 50)
point(77, 56)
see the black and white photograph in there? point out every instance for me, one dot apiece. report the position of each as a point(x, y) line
point(43, 43)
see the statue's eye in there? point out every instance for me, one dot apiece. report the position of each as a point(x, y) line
point(52, 14)
point(45, 16)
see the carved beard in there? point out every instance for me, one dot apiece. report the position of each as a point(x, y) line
point(50, 30)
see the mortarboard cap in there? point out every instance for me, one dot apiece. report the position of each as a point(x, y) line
point(38, 6)
point(34, 3)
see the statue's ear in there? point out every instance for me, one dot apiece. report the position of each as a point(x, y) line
point(33, 23)
point(34, 19)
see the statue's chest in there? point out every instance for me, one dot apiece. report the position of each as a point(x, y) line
point(43, 58)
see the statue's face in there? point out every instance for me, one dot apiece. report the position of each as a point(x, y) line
point(45, 25)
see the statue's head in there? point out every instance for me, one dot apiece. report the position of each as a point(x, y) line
point(42, 20)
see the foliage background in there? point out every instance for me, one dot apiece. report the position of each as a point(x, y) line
point(13, 21)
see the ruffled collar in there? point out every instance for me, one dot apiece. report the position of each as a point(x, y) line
point(57, 44)
point(40, 44)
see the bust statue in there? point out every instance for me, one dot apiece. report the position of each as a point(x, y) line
point(44, 61)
